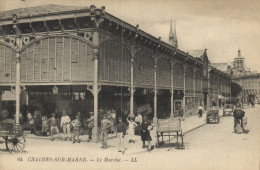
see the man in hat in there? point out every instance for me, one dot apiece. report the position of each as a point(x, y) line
point(65, 124)
point(90, 125)
point(76, 124)
point(239, 120)
point(105, 126)
point(53, 124)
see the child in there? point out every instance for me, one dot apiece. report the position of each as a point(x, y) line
point(45, 125)
point(145, 133)
point(105, 126)
point(121, 130)
point(153, 134)
point(131, 130)
point(76, 127)
point(53, 124)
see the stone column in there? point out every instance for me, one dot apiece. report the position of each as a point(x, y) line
point(155, 95)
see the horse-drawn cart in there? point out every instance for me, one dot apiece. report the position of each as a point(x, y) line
point(228, 110)
point(13, 137)
point(213, 115)
point(170, 127)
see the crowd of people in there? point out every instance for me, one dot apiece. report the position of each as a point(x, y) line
point(121, 124)
point(124, 124)
point(71, 126)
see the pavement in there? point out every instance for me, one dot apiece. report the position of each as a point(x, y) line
point(207, 147)
point(189, 124)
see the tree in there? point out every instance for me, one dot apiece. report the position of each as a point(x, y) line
point(235, 89)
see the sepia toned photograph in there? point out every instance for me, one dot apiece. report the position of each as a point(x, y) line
point(129, 84)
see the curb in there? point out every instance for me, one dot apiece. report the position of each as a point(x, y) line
point(194, 128)
point(198, 126)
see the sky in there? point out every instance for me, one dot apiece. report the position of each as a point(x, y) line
point(220, 26)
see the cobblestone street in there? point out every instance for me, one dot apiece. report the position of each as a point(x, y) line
point(211, 146)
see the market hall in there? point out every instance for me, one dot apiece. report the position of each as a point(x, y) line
point(81, 59)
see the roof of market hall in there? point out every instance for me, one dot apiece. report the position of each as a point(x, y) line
point(41, 11)
point(51, 9)
point(6, 18)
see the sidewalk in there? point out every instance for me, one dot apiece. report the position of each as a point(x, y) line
point(188, 125)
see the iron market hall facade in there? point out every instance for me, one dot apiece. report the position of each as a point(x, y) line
point(78, 59)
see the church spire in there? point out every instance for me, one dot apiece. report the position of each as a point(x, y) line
point(175, 36)
point(172, 36)
point(171, 33)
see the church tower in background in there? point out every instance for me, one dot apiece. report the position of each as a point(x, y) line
point(172, 36)
point(239, 63)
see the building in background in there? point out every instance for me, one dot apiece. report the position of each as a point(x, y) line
point(248, 80)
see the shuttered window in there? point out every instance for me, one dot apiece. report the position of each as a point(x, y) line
point(164, 73)
point(189, 78)
point(57, 59)
point(178, 76)
point(114, 63)
point(144, 69)
point(7, 64)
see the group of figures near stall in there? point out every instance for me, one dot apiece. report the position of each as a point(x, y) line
point(109, 122)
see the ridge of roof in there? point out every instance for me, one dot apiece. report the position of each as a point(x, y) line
point(40, 10)
point(49, 9)
point(220, 66)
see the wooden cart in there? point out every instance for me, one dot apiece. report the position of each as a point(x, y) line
point(170, 127)
point(13, 137)
point(213, 116)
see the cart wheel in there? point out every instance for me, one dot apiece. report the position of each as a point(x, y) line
point(15, 143)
